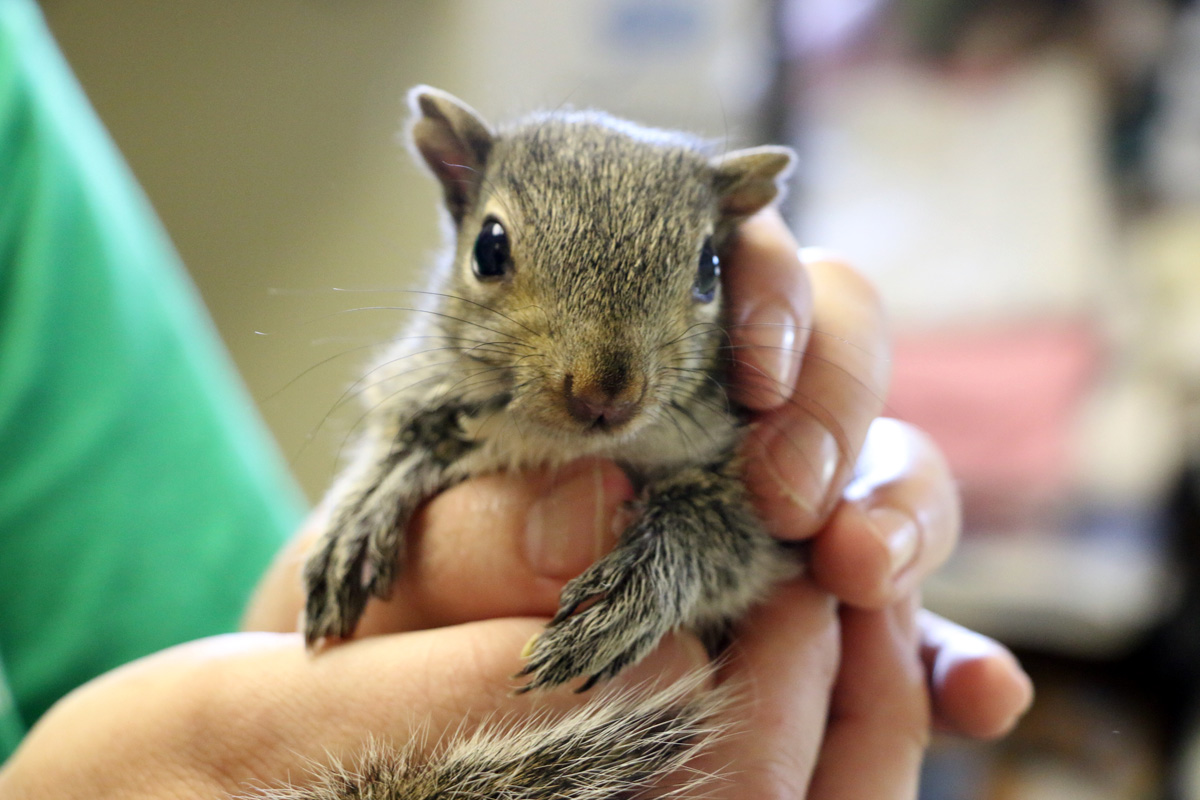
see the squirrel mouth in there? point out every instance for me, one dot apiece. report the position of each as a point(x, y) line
point(602, 409)
point(607, 423)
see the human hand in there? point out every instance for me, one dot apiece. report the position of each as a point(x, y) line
point(784, 663)
point(234, 714)
point(229, 714)
point(813, 362)
point(902, 670)
point(890, 527)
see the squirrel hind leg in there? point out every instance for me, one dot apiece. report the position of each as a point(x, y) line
point(619, 746)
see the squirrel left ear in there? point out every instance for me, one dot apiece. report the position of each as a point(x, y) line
point(454, 141)
point(746, 180)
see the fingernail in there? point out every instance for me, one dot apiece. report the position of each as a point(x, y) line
point(899, 534)
point(801, 460)
point(570, 525)
point(770, 344)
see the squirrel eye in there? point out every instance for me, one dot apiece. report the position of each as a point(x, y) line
point(492, 258)
point(707, 274)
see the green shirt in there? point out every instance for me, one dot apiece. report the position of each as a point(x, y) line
point(140, 497)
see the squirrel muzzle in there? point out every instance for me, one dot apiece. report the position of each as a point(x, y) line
point(606, 400)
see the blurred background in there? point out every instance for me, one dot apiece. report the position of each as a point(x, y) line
point(1021, 178)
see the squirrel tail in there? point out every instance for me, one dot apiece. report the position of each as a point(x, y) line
point(617, 746)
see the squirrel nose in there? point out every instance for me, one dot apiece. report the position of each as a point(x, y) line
point(609, 401)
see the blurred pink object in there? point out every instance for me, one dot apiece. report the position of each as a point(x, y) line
point(1003, 402)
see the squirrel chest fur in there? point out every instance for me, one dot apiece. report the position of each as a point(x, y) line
point(581, 315)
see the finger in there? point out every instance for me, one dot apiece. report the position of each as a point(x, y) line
point(879, 721)
point(780, 668)
point(501, 545)
point(770, 302)
point(979, 688)
point(900, 522)
point(543, 528)
point(800, 455)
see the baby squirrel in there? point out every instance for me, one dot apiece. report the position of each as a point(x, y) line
point(582, 315)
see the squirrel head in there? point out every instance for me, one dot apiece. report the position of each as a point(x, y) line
point(587, 256)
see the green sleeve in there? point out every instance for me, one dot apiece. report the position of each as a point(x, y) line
point(140, 497)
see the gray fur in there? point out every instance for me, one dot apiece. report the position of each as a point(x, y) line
point(615, 748)
point(605, 221)
point(696, 557)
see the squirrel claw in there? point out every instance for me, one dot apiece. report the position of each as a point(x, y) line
point(597, 644)
point(605, 623)
point(588, 684)
point(559, 618)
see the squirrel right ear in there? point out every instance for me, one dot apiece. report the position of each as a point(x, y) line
point(454, 141)
point(746, 180)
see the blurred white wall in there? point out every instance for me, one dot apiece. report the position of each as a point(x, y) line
point(265, 133)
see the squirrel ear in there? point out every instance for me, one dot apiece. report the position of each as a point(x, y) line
point(746, 180)
point(454, 141)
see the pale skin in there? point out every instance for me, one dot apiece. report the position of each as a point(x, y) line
point(837, 700)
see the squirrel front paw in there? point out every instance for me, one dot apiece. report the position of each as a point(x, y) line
point(354, 560)
point(610, 618)
point(335, 595)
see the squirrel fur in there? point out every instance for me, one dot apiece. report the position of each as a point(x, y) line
point(579, 314)
point(613, 748)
